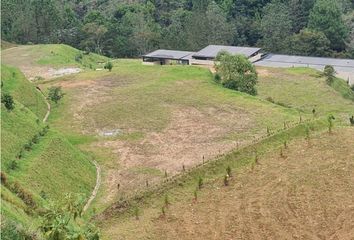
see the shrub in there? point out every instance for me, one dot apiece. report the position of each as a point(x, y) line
point(351, 120)
point(329, 74)
point(8, 101)
point(14, 231)
point(352, 87)
point(108, 66)
point(55, 94)
point(200, 182)
point(237, 72)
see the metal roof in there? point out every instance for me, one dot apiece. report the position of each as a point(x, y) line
point(212, 51)
point(295, 60)
point(169, 54)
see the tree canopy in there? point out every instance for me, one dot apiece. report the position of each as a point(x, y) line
point(132, 28)
point(236, 72)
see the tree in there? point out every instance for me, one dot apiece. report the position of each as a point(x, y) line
point(327, 18)
point(275, 27)
point(237, 73)
point(55, 94)
point(174, 35)
point(219, 30)
point(309, 43)
point(329, 74)
point(8, 101)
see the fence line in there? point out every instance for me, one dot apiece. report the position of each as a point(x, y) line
point(159, 185)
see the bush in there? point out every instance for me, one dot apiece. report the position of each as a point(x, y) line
point(351, 119)
point(8, 101)
point(55, 94)
point(108, 66)
point(14, 231)
point(237, 73)
point(329, 73)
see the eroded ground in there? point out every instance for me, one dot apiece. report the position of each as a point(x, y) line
point(308, 194)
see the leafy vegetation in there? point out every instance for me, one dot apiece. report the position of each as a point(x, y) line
point(237, 73)
point(307, 27)
point(55, 94)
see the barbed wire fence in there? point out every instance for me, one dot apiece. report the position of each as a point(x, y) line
point(158, 186)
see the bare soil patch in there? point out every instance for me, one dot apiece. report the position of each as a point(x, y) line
point(309, 194)
point(191, 135)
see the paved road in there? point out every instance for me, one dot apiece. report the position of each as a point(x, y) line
point(343, 67)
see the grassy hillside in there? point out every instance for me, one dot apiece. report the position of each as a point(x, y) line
point(278, 198)
point(38, 164)
point(304, 89)
point(15, 83)
point(42, 60)
point(140, 121)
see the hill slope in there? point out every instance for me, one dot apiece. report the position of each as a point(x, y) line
point(50, 60)
point(38, 165)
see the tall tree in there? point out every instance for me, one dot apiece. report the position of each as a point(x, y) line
point(326, 17)
point(275, 26)
point(220, 31)
point(309, 43)
point(174, 35)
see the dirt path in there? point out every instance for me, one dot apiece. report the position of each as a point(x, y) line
point(48, 105)
point(97, 186)
point(98, 168)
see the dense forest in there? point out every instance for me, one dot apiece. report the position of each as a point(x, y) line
point(128, 28)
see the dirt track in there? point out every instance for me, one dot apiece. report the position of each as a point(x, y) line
point(307, 195)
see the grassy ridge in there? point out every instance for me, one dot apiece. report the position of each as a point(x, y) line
point(54, 55)
point(15, 83)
